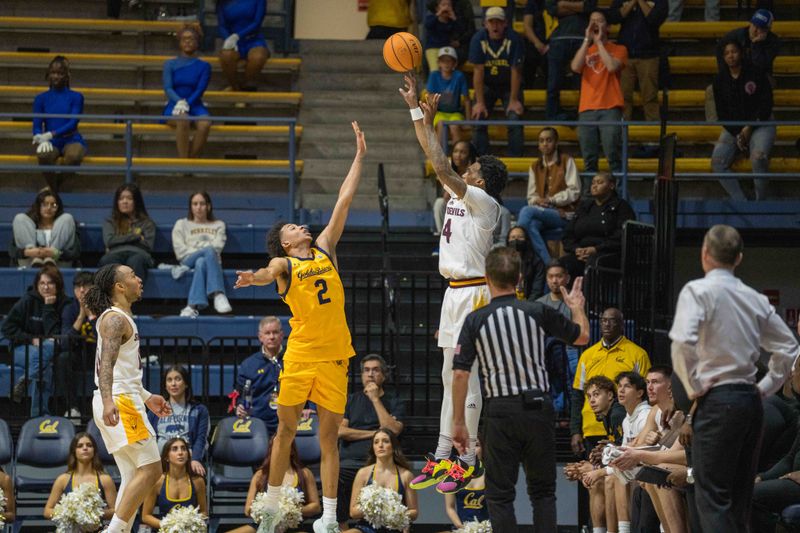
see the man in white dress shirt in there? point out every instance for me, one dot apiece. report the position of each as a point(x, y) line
point(721, 325)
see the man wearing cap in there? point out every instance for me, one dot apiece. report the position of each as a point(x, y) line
point(498, 53)
point(451, 84)
point(759, 45)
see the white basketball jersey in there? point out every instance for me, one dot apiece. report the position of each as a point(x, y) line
point(128, 368)
point(467, 234)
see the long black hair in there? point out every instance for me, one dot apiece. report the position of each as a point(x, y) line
point(64, 63)
point(34, 212)
point(274, 246)
point(98, 297)
point(122, 223)
point(188, 396)
point(495, 175)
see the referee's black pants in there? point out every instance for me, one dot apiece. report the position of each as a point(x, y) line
point(515, 434)
point(727, 438)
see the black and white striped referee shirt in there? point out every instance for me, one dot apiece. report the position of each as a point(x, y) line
point(507, 336)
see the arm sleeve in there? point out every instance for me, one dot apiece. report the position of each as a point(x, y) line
point(613, 15)
point(75, 108)
point(689, 314)
point(785, 465)
point(222, 24)
point(483, 207)
point(777, 338)
point(179, 245)
point(204, 75)
point(68, 316)
point(201, 436)
point(51, 318)
point(576, 412)
point(537, 286)
point(38, 107)
point(613, 242)
point(721, 105)
point(658, 14)
point(573, 191)
point(149, 234)
point(765, 98)
point(14, 325)
point(220, 238)
point(476, 55)
point(557, 325)
point(532, 194)
point(551, 6)
point(258, 19)
point(112, 240)
point(166, 79)
point(568, 238)
point(430, 23)
point(465, 351)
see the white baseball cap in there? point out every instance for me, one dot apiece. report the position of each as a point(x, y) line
point(448, 51)
point(497, 13)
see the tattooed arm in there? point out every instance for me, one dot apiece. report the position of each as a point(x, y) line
point(114, 329)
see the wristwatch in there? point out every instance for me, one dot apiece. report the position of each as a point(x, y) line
point(690, 476)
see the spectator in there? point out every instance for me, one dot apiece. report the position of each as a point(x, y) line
point(239, 25)
point(83, 466)
point(460, 42)
point(7, 486)
point(554, 191)
point(189, 419)
point(535, 40)
point(640, 21)
point(129, 234)
point(780, 428)
point(185, 80)
point(497, 53)
point(461, 157)
point(531, 283)
point(31, 325)
point(300, 478)
point(388, 467)
point(45, 234)
point(78, 352)
point(664, 421)
point(468, 504)
point(177, 486)
point(262, 369)
point(451, 84)
point(198, 241)
point(742, 93)
point(442, 24)
point(556, 276)
point(57, 137)
point(759, 45)
point(572, 18)
point(600, 64)
point(387, 17)
point(596, 229)
point(368, 410)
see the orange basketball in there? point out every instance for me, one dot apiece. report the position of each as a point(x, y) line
point(402, 52)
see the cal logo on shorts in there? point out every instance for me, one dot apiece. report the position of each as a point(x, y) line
point(242, 426)
point(48, 427)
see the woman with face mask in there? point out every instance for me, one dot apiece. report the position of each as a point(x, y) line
point(531, 285)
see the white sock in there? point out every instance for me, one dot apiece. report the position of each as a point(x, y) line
point(117, 525)
point(624, 527)
point(328, 510)
point(469, 457)
point(273, 498)
point(443, 447)
point(598, 530)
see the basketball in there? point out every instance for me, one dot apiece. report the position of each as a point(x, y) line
point(402, 52)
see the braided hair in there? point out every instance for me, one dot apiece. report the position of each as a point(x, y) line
point(98, 297)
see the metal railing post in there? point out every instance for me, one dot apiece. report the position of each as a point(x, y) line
point(292, 175)
point(128, 151)
point(624, 184)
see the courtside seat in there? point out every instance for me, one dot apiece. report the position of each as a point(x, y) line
point(784, 65)
point(80, 61)
point(160, 284)
point(9, 93)
point(518, 166)
point(162, 130)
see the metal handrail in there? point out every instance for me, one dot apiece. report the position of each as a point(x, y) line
point(129, 168)
point(623, 182)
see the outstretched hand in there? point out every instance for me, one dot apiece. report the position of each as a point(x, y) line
point(159, 405)
point(361, 143)
point(243, 279)
point(429, 108)
point(574, 298)
point(410, 92)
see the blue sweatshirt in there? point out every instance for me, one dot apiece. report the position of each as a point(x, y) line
point(57, 101)
point(186, 78)
point(193, 425)
point(242, 17)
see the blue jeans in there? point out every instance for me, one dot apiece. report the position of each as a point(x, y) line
point(207, 277)
point(724, 154)
point(559, 55)
point(39, 393)
point(591, 137)
point(541, 223)
point(516, 137)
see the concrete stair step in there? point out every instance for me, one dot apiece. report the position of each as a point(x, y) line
point(387, 151)
point(365, 202)
point(312, 116)
point(318, 48)
point(371, 81)
point(371, 63)
point(389, 99)
point(390, 132)
point(404, 170)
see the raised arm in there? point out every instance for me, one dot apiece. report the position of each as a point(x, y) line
point(275, 270)
point(330, 236)
point(428, 140)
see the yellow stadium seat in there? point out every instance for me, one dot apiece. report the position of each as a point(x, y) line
point(231, 164)
point(161, 129)
point(697, 134)
point(682, 165)
point(125, 61)
point(156, 95)
point(123, 26)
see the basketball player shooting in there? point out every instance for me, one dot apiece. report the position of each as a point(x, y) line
point(471, 216)
point(118, 406)
point(317, 352)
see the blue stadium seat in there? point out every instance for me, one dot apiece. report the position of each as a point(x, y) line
point(108, 460)
point(791, 516)
point(235, 443)
point(307, 441)
point(6, 445)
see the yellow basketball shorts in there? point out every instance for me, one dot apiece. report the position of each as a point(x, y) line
point(441, 115)
point(322, 382)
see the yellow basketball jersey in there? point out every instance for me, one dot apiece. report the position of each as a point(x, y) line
point(315, 296)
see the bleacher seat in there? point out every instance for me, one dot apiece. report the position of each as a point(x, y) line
point(307, 441)
point(235, 443)
point(163, 130)
point(148, 164)
point(6, 445)
point(81, 24)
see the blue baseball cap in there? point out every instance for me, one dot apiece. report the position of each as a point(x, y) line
point(762, 19)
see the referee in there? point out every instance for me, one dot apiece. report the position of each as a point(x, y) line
point(508, 337)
